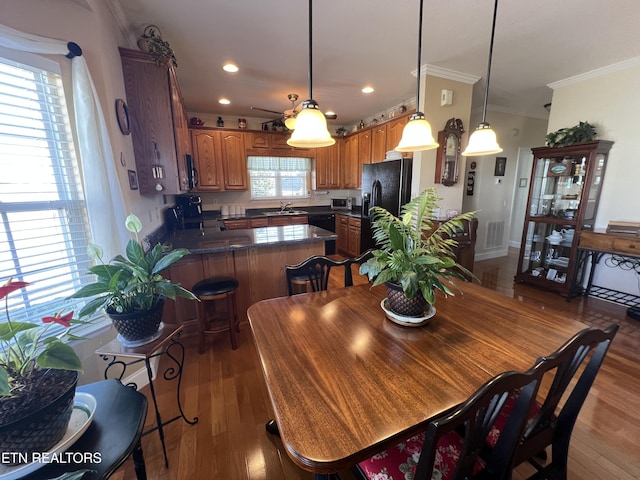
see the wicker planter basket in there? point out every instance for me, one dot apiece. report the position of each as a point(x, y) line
point(138, 327)
point(39, 418)
point(400, 304)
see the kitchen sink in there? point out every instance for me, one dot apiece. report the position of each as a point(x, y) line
point(286, 212)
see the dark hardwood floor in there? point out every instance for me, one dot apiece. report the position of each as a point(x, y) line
point(226, 391)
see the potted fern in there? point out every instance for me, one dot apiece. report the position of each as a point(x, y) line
point(415, 255)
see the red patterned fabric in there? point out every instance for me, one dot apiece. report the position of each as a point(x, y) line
point(400, 461)
point(501, 419)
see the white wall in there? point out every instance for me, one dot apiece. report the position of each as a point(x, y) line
point(609, 100)
point(496, 201)
point(424, 163)
point(91, 25)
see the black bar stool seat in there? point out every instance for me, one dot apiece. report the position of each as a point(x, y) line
point(212, 289)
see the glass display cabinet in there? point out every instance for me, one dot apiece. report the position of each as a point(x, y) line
point(563, 200)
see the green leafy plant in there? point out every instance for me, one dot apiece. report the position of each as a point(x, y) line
point(25, 347)
point(158, 48)
point(413, 251)
point(132, 283)
point(583, 132)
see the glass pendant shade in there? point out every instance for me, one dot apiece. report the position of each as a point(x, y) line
point(311, 128)
point(482, 142)
point(290, 122)
point(416, 135)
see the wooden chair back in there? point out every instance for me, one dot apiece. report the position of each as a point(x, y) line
point(359, 260)
point(574, 367)
point(473, 420)
point(314, 271)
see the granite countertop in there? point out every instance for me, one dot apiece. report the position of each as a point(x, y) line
point(260, 213)
point(212, 241)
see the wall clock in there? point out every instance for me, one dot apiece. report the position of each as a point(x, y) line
point(122, 114)
point(448, 154)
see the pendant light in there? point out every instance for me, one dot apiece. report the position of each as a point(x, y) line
point(416, 134)
point(311, 124)
point(483, 140)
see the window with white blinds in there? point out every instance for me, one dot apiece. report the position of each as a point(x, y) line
point(43, 220)
point(279, 177)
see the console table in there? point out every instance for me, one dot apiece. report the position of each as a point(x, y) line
point(166, 344)
point(625, 253)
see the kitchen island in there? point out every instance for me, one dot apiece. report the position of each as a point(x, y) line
point(256, 257)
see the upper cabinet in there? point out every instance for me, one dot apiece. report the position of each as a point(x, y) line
point(158, 124)
point(327, 166)
point(378, 143)
point(219, 159)
point(352, 170)
point(394, 134)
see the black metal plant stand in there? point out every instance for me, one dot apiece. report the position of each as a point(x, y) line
point(166, 344)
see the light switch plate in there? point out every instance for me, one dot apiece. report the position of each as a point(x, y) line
point(446, 98)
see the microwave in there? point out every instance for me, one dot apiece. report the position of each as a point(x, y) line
point(342, 203)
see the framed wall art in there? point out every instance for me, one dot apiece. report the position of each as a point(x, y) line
point(133, 179)
point(501, 166)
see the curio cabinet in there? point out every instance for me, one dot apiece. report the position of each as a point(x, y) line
point(563, 200)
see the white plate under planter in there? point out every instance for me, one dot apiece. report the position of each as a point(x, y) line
point(407, 321)
point(84, 406)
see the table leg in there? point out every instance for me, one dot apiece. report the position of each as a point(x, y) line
point(159, 423)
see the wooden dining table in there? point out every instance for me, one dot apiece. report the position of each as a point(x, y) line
point(345, 382)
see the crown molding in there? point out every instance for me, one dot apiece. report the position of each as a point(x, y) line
point(447, 74)
point(598, 72)
point(120, 20)
point(509, 111)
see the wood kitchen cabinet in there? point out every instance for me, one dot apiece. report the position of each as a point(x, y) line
point(272, 221)
point(207, 160)
point(158, 123)
point(327, 166)
point(351, 163)
point(267, 140)
point(378, 143)
point(342, 229)
point(285, 220)
point(348, 230)
point(219, 159)
point(394, 134)
point(364, 150)
point(237, 224)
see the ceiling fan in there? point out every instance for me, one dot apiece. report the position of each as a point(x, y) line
point(289, 115)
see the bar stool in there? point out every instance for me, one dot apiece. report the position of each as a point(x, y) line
point(212, 289)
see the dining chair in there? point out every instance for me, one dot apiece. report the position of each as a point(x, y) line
point(313, 271)
point(359, 260)
point(450, 447)
point(574, 367)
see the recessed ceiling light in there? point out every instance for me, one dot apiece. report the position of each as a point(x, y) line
point(230, 67)
point(329, 112)
point(367, 90)
point(224, 101)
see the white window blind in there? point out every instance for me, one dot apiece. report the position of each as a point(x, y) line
point(43, 220)
point(279, 177)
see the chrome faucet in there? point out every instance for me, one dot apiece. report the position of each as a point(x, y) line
point(284, 206)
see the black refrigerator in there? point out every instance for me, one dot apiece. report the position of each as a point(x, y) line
point(387, 185)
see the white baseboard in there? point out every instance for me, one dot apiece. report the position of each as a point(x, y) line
point(492, 254)
point(140, 377)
